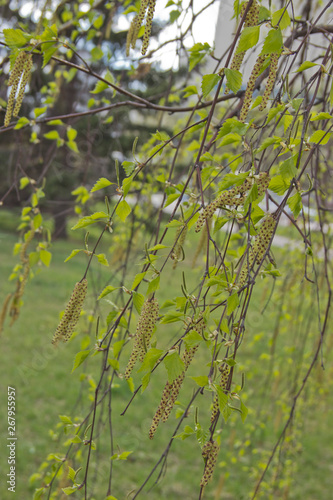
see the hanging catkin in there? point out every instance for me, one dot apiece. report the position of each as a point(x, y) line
point(72, 312)
point(144, 331)
point(251, 19)
point(18, 80)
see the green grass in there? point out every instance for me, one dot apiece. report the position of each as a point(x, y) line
point(45, 389)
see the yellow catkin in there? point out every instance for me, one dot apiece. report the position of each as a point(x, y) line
point(135, 26)
point(23, 83)
point(72, 312)
point(259, 248)
point(144, 331)
point(209, 452)
point(233, 197)
point(16, 302)
point(149, 22)
point(171, 390)
point(224, 370)
point(178, 247)
point(202, 242)
point(251, 19)
point(270, 81)
point(4, 311)
point(250, 87)
point(13, 81)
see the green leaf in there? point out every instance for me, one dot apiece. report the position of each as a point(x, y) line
point(320, 136)
point(321, 116)
point(248, 38)
point(126, 185)
point(24, 181)
point(65, 419)
point(38, 494)
point(153, 285)
point(190, 90)
point(129, 167)
point(79, 358)
point(99, 87)
point(282, 17)
point(71, 134)
point(174, 366)
point(39, 111)
point(48, 51)
point(197, 53)
point(52, 135)
point(38, 220)
point(208, 83)
point(232, 125)
point(70, 489)
point(288, 169)
point(16, 38)
point(73, 146)
point(223, 398)
point(202, 380)
point(138, 301)
point(157, 247)
point(251, 196)
point(102, 259)
point(306, 65)
point(278, 185)
point(137, 280)
point(273, 42)
point(45, 257)
point(91, 219)
point(232, 303)
point(22, 122)
point(234, 79)
point(269, 141)
point(71, 474)
point(295, 204)
point(101, 184)
point(192, 339)
point(108, 289)
point(123, 210)
point(172, 317)
point(244, 411)
point(74, 252)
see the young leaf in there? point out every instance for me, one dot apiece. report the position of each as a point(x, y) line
point(108, 289)
point(123, 210)
point(281, 18)
point(208, 83)
point(273, 42)
point(100, 184)
point(232, 302)
point(153, 285)
point(234, 79)
point(202, 380)
point(138, 301)
point(320, 136)
point(137, 280)
point(295, 204)
point(249, 38)
point(79, 358)
point(174, 366)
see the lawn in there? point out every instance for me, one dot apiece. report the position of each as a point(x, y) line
point(272, 363)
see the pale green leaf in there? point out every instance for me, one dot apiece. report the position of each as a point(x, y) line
point(79, 358)
point(45, 257)
point(102, 259)
point(320, 137)
point(153, 285)
point(100, 184)
point(208, 83)
point(305, 65)
point(138, 301)
point(232, 303)
point(123, 210)
point(108, 289)
point(281, 18)
point(202, 380)
point(137, 280)
point(295, 204)
point(249, 38)
point(273, 42)
point(73, 253)
point(174, 366)
point(234, 79)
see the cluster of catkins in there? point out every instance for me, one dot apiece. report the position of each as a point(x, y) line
point(177, 252)
point(144, 332)
point(233, 197)
point(274, 60)
point(132, 35)
point(18, 80)
point(225, 371)
point(171, 390)
point(259, 248)
point(72, 312)
point(210, 452)
point(251, 19)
